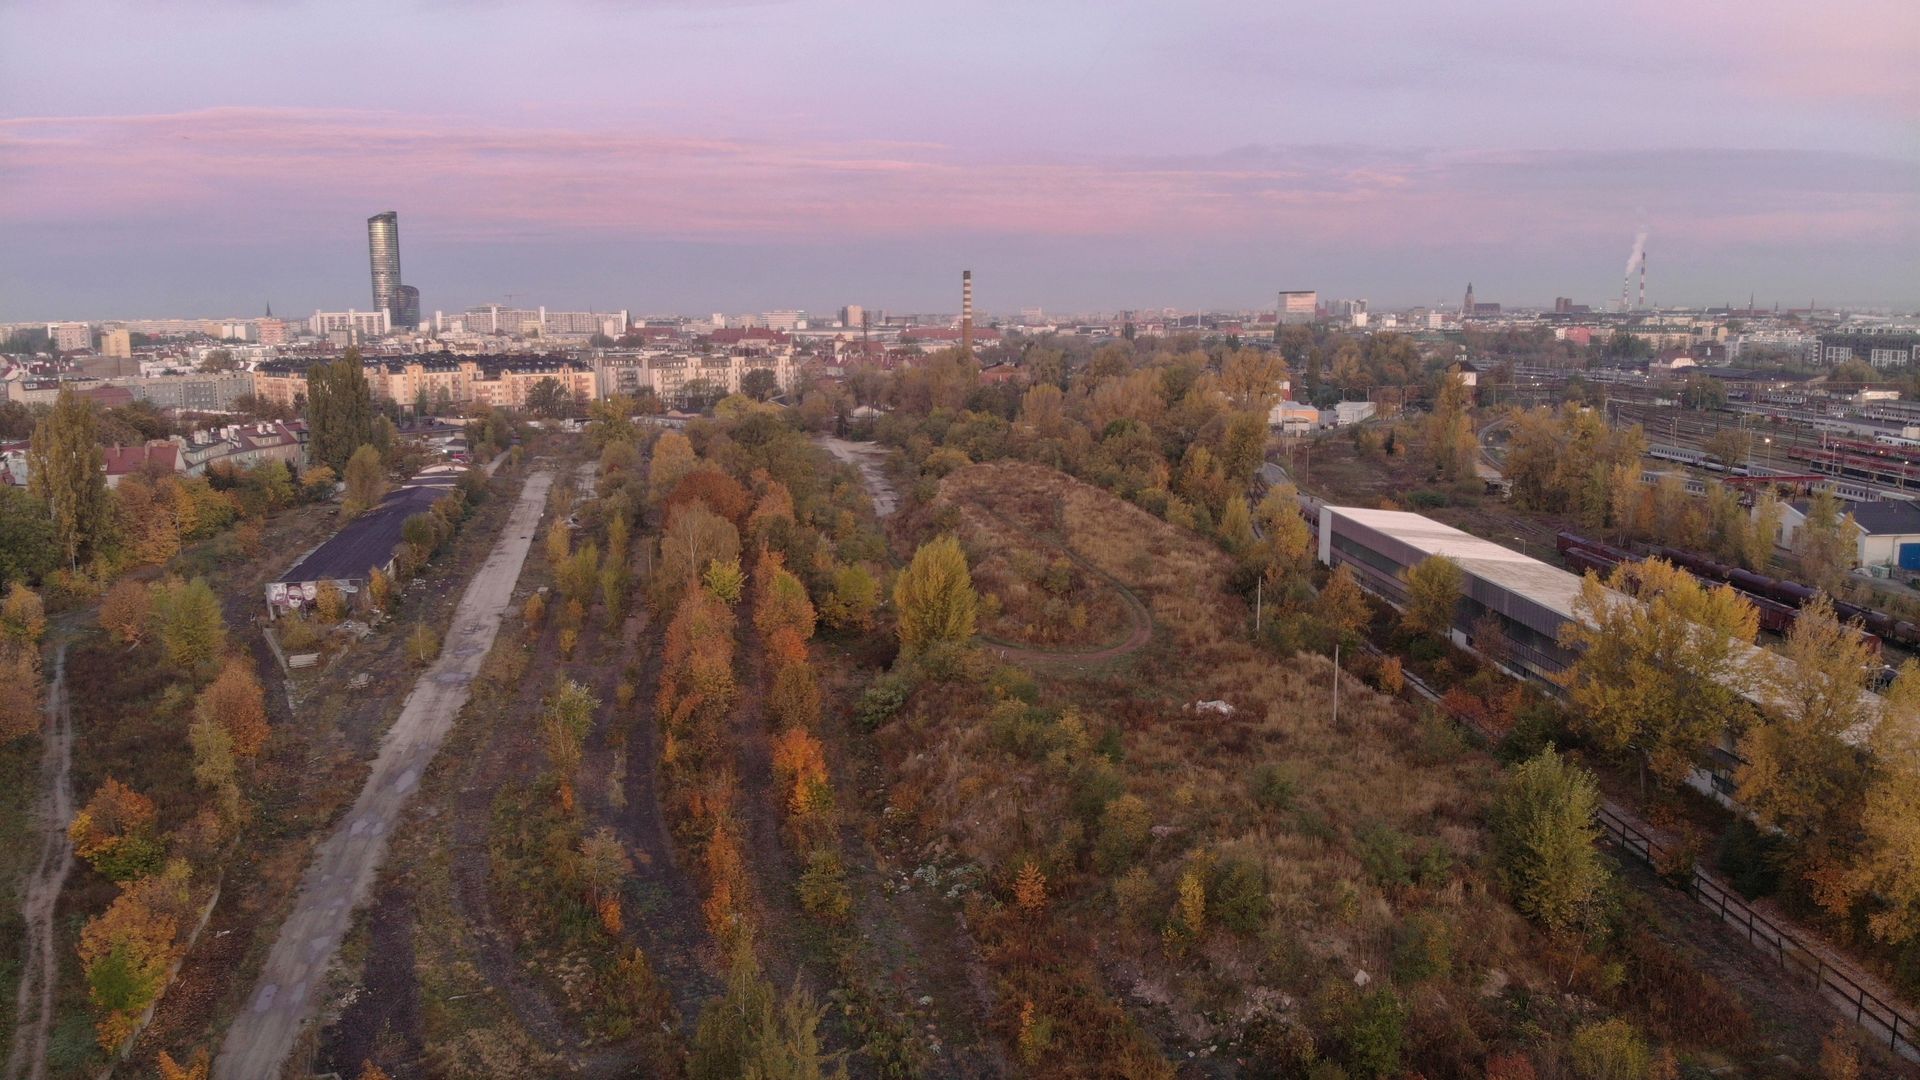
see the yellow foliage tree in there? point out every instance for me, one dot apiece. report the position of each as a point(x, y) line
point(1433, 591)
point(934, 597)
point(1662, 666)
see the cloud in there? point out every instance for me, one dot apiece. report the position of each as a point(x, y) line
point(279, 171)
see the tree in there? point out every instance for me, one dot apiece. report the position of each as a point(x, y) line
point(759, 384)
point(783, 602)
point(197, 1067)
point(694, 537)
point(235, 701)
point(20, 686)
point(748, 1032)
point(1731, 446)
point(186, 616)
point(366, 481)
point(1801, 774)
point(934, 597)
point(850, 606)
point(1659, 676)
point(672, 459)
point(339, 411)
point(725, 580)
point(1342, 605)
point(1450, 438)
point(115, 832)
point(1828, 543)
point(1543, 839)
point(1610, 1050)
point(1433, 591)
point(549, 397)
point(65, 470)
point(126, 952)
point(1887, 866)
point(29, 547)
point(219, 360)
point(23, 620)
point(1252, 379)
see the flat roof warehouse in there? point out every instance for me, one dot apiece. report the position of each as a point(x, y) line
point(367, 542)
point(1531, 598)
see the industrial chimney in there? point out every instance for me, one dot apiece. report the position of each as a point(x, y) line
point(966, 311)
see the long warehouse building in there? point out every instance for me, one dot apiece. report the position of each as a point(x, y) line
point(1531, 599)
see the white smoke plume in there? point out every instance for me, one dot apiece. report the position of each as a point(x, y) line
point(1639, 250)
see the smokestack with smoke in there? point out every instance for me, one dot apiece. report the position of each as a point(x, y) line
point(1636, 255)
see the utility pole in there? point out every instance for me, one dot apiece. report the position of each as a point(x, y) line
point(1259, 588)
point(1336, 684)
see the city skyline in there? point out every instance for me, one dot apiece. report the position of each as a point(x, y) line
point(1075, 160)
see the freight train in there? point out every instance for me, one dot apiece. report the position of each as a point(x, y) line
point(1583, 554)
point(1777, 599)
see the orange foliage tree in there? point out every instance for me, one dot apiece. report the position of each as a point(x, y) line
point(125, 609)
point(721, 493)
point(235, 701)
point(114, 832)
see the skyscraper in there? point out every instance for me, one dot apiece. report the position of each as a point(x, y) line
point(383, 250)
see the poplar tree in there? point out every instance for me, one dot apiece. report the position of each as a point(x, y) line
point(66, 471)
point(339, 411)
point(935, 597)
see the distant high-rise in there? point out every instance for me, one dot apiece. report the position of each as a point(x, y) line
point(1467, 308)
point(1298, 306)
point(383, 250)
point(406, 308)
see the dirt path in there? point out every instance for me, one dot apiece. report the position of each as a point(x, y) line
point(342, 872)
point(1139, 630)
point(38, 978)
point(867, 458)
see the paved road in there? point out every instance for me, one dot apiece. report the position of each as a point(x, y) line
point(34, 1006)
point(343, 868)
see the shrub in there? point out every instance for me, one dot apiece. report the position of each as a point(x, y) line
point(1382, 851)
point(823, 887)
point(1422, 948)
point(882, 698)
point(1543, 839)
point(1239, 895)
point(1274, 786)
point(1609, 1050)
point(422, 645)
point(1124, 830)
point(298, 634)
point(1749, 858)
point(1373, 1033)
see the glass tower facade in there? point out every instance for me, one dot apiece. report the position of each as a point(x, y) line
point(406, 308)
point(383, 249)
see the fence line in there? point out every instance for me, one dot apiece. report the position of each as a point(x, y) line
point(1869, 1010)
point(1883, 1019)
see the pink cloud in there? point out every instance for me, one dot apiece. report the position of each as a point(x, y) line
point(269, 171)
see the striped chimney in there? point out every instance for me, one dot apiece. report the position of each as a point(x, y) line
point(966, 310)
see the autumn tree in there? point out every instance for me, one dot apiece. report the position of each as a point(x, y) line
point(1289, 544)
point(749, 1032)
point(1252, 379)
point(186, 616)
point(23, 620)
point(672, 459)
point(1887, 864)
point(782, 602)
point(851, 603)
point(235, 701)
point(1450, 440)
point(1543, 839)
point(1342, 605)
point(564, 726)
point(125, 609)
point(20, 696)
point(694, 537)
point(934, 597)
point(721, 493)
point(1433, 591)
point(1827, 542)
point(114, 832)
point(1661, 664)
point(198, 1067)
point(366, 481)
point(66, 471)
point(127, 950)
point(1801, 774)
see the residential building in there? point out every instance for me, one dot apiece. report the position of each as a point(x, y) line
point(356, 325)
point(1881, 350)
point(116, 343)
point(70, 337)
point(270, 331)
point(1298, 306)
point(785, 320)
